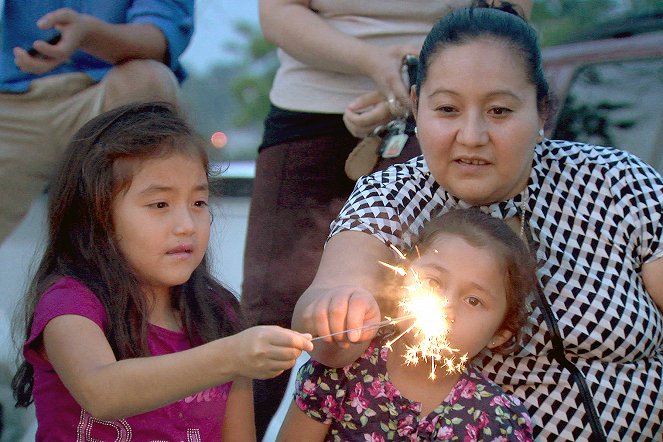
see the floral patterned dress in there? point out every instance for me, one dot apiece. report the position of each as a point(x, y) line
point(360, 403)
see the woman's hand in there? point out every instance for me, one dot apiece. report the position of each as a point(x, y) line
point(366, 113)
point(339, 309)
point(266, 351)
point(384, 66)
point(342, 317)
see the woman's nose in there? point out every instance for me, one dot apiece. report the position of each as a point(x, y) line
point(473, 131)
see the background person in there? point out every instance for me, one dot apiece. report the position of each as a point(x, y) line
point(160, 352)
point(331, 53)
point(591, 359)
point(110, 53)
point(482, 272)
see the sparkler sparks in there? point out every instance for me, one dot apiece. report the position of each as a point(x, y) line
point(430, 327)
point(425, 306)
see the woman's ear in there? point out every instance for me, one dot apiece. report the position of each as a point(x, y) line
point(499, 338)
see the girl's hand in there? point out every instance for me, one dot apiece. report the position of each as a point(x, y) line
point(73, 27)
point(265, 351)
point(366, 113)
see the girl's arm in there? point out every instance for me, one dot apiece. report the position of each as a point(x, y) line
point(110, 389)
point(297, 426)
point(239, 422)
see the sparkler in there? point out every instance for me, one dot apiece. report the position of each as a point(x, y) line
point(388, 321)
point(425, 306)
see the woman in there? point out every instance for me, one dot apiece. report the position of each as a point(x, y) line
point(591, 362)
point(333, 55)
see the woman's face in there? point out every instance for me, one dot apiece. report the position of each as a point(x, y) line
point(477, 121)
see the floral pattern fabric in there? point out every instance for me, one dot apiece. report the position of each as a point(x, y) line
point(360, 403)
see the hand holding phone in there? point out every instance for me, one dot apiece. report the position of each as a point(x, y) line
point(51, 41)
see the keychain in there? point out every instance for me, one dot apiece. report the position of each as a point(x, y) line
point(394, 140)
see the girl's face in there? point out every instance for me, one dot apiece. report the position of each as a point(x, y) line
point(472, 282)
point(477, 121)
point(162, 221)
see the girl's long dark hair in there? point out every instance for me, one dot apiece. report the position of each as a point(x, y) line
point(98, 164)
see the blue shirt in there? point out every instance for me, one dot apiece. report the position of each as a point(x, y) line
point(19, 28)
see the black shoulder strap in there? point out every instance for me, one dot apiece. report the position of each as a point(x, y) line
point(598, 433)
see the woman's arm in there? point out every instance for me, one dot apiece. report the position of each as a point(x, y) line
point(298, 427)
point(341, 297)
point(301, 32)
point(239, 423)
point(652, 275)
point(110, 389)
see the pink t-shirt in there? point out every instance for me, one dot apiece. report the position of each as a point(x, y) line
point(196, 418)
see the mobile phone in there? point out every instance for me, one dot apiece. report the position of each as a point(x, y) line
point(53, 39)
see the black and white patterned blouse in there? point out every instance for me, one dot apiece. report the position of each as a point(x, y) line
point(596, 216)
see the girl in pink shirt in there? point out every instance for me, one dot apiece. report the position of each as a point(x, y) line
point(128, 336)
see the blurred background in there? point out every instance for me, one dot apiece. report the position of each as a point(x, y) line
point(231, 66)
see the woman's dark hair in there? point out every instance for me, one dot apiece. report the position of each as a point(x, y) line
point(100, 162)
point(486, 232)
point(500, 23)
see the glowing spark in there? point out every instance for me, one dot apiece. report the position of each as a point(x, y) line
point(396, 269)
point(398, 252)
point(430, 328)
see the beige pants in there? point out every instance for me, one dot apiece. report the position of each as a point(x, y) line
point(35, 128)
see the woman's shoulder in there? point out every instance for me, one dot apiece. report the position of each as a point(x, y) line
point(574, 154)
point(579, 164)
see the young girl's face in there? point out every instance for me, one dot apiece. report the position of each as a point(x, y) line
point(162, 221)
point(473, 283)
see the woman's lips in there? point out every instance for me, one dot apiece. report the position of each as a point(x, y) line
point(472, 161)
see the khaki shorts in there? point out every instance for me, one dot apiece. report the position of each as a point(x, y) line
point(35, 128)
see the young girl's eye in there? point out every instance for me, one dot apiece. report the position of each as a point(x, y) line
point(474, 302)
point(431, 283)
point(160, 205)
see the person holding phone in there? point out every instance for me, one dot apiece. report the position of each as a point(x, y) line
point(108, 54)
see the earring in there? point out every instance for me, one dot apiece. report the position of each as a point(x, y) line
point(415, 130)
point(541, 132)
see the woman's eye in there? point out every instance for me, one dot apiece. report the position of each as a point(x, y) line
point(200, 204)
point(500, 111)
point(446, 109)
point(160, 205)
